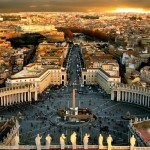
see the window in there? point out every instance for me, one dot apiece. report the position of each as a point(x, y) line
point(62, 77)
point(84, 77)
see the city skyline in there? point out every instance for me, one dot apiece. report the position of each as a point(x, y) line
point(75, 6)
point(74, 71)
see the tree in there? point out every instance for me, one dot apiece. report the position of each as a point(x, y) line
point(68, 34)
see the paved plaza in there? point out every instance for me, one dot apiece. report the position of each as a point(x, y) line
point(41, 117)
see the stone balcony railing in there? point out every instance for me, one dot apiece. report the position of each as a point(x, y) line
point(17, 88)
point(137, 134)
point(127, 87)
point(69, 147)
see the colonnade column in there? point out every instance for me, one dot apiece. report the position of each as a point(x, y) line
point(35, 97)
point(122, 96)
point(140, 98)
point(25, 97)
point(126, 96)
point(6, 99)
point(118, 95)
point(21, 99)
point(29, 96)
point(9, 99)
point(129, 97)
point(147, 100)
point(132, 97)
point(15, 98)
point(135, 97)
point(112, 95)
point(18, 95)
point(2, 101)
point(12, 99)
point(143, 99)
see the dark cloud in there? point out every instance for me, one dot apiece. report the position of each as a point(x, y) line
point(70, 5)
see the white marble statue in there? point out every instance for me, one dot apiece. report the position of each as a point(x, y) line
point(100, 141)
point(132, 142)
point(62, 141)
point(109, 141)
point(48, 140)
point(17, 140)
point(38, 142)
point(73, 139)
point(86, 140)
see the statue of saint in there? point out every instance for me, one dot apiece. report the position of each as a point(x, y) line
point(16, 140)
point(20, 116)
point(135, 120)
point(132, 141)
point(86, 139)
point(109, 140)
point(48, 140)
point(38, 142)
point(73, 139)
point(62, 141)
point(100, 140)
point(12, 120)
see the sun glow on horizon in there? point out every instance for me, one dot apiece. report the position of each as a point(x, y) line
point(129, 10)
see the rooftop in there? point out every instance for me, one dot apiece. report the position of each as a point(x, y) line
point(5, 128)
point(29, 73)
point(31, 70)
point(144, 129)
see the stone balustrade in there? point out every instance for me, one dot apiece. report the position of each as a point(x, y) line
point(8, 139)
point(10, 136)
point(139, 120)
point(137, 134)
point(90, 147)
point(131, 94)
point(142, 148)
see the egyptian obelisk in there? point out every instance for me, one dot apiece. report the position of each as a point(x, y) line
point(73, 99)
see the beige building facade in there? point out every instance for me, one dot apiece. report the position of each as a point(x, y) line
point(101, 77)
point(39, 76)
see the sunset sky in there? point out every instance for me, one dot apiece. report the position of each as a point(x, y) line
point(71, 5)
